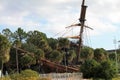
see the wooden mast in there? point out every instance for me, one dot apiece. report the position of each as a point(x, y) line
point(82, 25)
point(82, 21)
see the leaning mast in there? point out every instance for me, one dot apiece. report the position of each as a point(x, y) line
point(82, 25)
point(82, 22)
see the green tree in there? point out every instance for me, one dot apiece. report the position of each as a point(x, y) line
point(7, 33)
point(112, 56)
point(38, 39)
point(39, 54)
point(71, 55)
point(20, 35)
point(55, 56)
point(53, 43)
point(63, 43)
point(17, 44)
point(118, 55)
point(4, 51)
point(87, 53)
point(106, 70)
point(27, 60)
point(89, 67)
point(29, 47)
point(100, 55)
point(27, 74)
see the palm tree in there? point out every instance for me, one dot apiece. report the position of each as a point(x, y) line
point(17, 44)
point(27, 60)
point(39, 53)
point(20, 35)
point(7, 33)
point(55, 56)
point(100, 54)
point(4, 51)
point(86, 53)
point(53, 43)
point(39, 40)
point(63, 42)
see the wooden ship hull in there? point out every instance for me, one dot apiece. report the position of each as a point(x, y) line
point(52, 66)
point(55, 67)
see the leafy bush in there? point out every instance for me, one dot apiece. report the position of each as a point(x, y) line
point(15, 76)
point(29, 73)
point(45, 79)
point(27, 60)
point(116, 77)
point(89, 68)
point(55, 56)
point(26, 75)
point(5, 78)
point(104, 70)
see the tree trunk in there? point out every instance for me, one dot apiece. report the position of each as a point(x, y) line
point(17, 65)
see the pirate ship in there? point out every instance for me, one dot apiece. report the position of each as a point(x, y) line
point(63, 68)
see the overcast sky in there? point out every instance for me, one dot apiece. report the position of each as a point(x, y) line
point(52, 16)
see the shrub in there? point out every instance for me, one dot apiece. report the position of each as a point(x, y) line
point(45, 79)
point(98, 71)
point(26, 75)
point(89, 68)
point(15, 76)
point(29, 74)
point(5, 78)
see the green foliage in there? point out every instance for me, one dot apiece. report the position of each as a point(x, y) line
point(29, 47)
point(45, 79)
point(17, 43)
point(71, 55)
point(27, 60)
point(107, 70)
point(5, 78)
point(55, 56)
point(39, 54)
point(103, 70)
point(15, 76)
point(42, 47)
point(38, 39)
point(63, 42)
point(29, 73)
point(116, 77)
point(117, 56)
point(53, 43)
point(20, 35)
point(88, 68)
point(87, 53)
point(100, 55)
point(4, 49)
point(12, 56)
point(112, 56)
point(25, 75)
point(7, 33)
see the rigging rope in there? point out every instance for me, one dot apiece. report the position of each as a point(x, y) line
point(87, 36)
point(66, 32)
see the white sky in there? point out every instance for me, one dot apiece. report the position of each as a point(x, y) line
point(52, 16)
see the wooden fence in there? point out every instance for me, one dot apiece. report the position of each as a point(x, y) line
point(62, 76)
